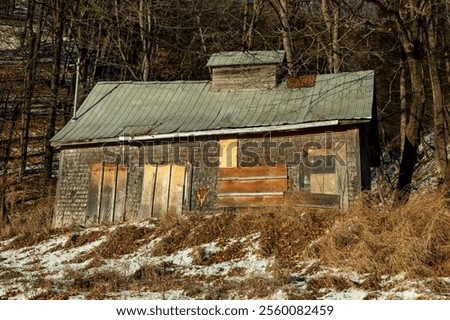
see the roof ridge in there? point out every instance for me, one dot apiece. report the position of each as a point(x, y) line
point(151, 82)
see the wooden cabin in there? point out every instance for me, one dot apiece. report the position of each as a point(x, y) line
point(247, 138)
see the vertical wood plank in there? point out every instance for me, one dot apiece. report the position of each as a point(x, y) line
point(176, 189)
point(99, 196)
point(121, 193)
point(187, 187)
point(342, 177)
point(148, 192)
point(107, 196)
point(162, 183)
point(92, 201)
point(114, 193)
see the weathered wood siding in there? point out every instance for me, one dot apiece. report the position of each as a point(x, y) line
point(83, 188)
point(125, 179)
point(244, 78)
point(251, 186)
point(288, 148)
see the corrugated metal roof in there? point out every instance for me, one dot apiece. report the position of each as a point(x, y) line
point(114, 109)
point(239, 58)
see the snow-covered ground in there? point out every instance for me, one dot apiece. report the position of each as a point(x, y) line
point(62, 268)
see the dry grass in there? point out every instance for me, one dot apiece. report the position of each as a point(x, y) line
point(78, 239)
point(123, 240)
point(371, 239)
point(412, 238)
point(327, 282)
point(30, 223)
point(283, 232)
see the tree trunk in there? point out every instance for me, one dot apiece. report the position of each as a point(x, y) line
point(403, 106)
point(56, 70)
point(7, 144)
point(250, 23)
point(245, 26)
point(145, 26)
point(34, 40)
point(336, 42)
point(408, 29)
point(331, 17)
point(441, 136)
point(414, 126)
point(281, 8)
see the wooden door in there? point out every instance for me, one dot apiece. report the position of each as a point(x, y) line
point(107, 194)
point(162, 190)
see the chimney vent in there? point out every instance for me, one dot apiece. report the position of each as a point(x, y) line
point(248, 70)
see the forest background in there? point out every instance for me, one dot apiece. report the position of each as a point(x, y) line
point(406, 42)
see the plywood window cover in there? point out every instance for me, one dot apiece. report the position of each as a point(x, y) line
point(251, 186)
point(228, 157)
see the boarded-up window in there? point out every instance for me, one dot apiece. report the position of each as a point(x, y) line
point(319, 172)
point(162, 190)
point(324, 174)
point(228, 152)
point(251, 186)
point(107, 194)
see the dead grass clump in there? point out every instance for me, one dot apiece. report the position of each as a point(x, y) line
point(184, 231)
point(289, 231)
point(371, 283)
point(99, 284)
point(236, 272)
point(236, 250)
point(123, 240)
point(53, 295)
point(280, 274)
point(258, 287)
point(11, 274)
point(199, 255)
point(327, 282)
point(153, 272)
point(30, 223)
point(412, 238)
point(158, 278)
point(96, 262)
point(439, 286)
point(78, 239)
point(283, 232)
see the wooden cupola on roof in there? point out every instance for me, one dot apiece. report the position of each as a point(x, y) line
point(249, 70)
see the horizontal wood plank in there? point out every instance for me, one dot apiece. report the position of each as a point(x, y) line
point(321, 152)
point(261, 171)
point(314, 199)
point(253, 201)
point(250, 194)
point(250, 178)
point(266, 185)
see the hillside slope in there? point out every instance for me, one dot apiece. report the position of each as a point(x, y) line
point(369, 252)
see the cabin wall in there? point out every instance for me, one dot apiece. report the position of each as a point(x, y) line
point(74, 180)
point(78, 198)
point(290, 150)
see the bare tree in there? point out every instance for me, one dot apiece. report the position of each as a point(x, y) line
point(281, 7)
point(331, 16)
point(57, 21)
point(250, 19)
point(442, 135)
point(32, 42)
